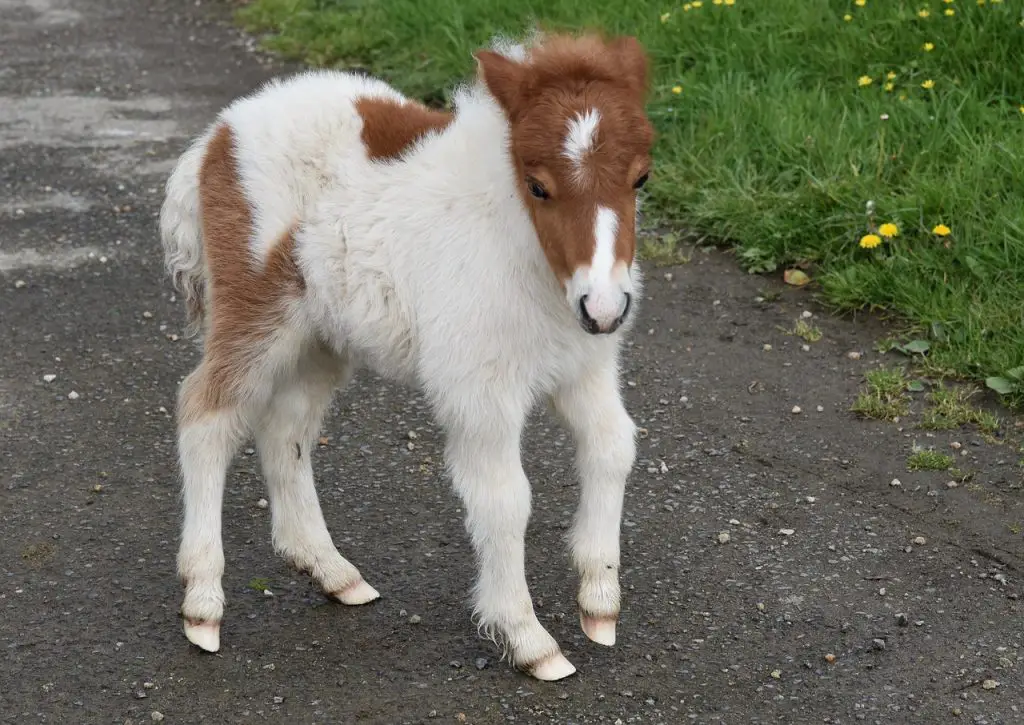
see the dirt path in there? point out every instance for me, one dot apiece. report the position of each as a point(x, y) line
point(97, 97)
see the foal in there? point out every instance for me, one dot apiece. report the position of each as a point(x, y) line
point(486, 256)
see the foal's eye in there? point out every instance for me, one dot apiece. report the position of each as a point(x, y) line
point(641, 181)
point(536, 189)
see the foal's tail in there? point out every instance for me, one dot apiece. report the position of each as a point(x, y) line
point(181, 233)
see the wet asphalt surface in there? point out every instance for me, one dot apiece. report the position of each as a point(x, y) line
point(97, 97)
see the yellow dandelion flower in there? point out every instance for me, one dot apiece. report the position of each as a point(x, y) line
point(981, 2)
point(891, 75)
point(940, 230)
point(730, 2)
point(860, 3)
point(1021, 109)
point(903, 96)
point(864, 81)
point(847, 17)
point(870, 241)
point(687, 7)
point(665, 17)
point(677, 89)
point(928, 47)
point(949, 12)
point(948, 2)
point(928, 84)
point(889, 230)
point(697, 3)
point(890, 86)
point(716, 2)
point(923, 13)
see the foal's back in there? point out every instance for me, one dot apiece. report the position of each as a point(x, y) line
point(290, 135)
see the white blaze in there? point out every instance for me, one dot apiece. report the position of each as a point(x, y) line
point(604, 281)
point(579, 141)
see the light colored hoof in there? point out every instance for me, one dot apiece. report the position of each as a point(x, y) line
point(599, 629)
point(358, 593)
point(205, 635)
point(555, 667)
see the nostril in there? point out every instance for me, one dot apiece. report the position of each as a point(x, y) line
point(625, 310)
point(589, 323)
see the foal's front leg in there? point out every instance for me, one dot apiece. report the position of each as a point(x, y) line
point(592, 408)
point(484, 460)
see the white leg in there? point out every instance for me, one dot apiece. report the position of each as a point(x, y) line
point(206, 444)
point(484, 460)
point(592, 409)
point(284, 438)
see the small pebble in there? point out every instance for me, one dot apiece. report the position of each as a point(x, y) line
point(668, 276)
point(810, 499)
point(955, 445)
point(734, 522)
point(723, 537)
point(73, 395)
point(767, 348)
point(760, 606)
point(878, 643)
point(18, 284)
point(262, 503)
point(148, 315)
point(920, 540)
point(989, 684)
point(777, 674)
point(805, 348)
point(415, 619)
point(481, 663)
point(951, 484)
point(148, 685)
point(853, 355)
point(49, 378)
point(895, 482)
point(96, 489)
point(156, 716)
point(881, 592)
point(787, 532)
point(278, 699)
point(796, 410)
point(902, 619)
point(820, 408)
point(830, 658)
point(807, 314)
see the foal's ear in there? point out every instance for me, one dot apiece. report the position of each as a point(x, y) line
point(506, 79)
point(632, 58)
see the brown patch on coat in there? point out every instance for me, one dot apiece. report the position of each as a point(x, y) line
point(247, 303)
point(563, 77)
point(390, 128)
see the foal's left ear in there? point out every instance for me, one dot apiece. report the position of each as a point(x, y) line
point(632, 58)
point(505, 78)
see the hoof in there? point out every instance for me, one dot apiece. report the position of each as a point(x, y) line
point(205, 635)
point(552, 668)
point(599, 629)
point(358, 593)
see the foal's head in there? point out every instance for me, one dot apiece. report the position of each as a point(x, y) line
point(581, 143)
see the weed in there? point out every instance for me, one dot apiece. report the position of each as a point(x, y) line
point(950, 409)
point(884, 396)
point(929, 460)
point(259, 584)
point(805, 331)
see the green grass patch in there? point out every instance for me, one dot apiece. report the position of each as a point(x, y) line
point(792, 130)
point(929, 460)
point(951, 408)
point(884, 395)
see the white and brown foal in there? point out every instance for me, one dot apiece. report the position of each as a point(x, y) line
point(485, 256)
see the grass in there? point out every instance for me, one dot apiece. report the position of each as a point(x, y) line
point(929, 460)
point(775, 146)
point(884, 396)
point(950, 408)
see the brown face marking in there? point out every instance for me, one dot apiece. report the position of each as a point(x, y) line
point(247, 303)
point(390, 128)
point(563, 78)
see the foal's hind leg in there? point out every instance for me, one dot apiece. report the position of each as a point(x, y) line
point(284, 436)
point(208, 436)
point(593, 411)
